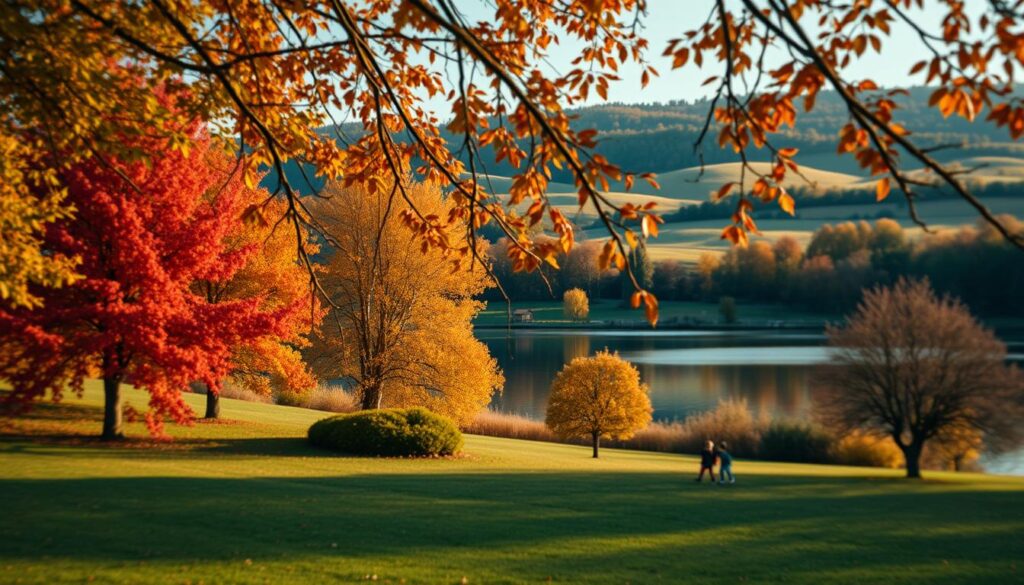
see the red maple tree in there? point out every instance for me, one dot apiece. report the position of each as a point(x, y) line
point(144, 233)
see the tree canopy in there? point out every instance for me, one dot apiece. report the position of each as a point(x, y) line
point(598, 396)
point(399, 326)
point(277, 80)
point(144, 233)
point(918, 368)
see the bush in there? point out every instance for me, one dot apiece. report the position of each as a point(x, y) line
point(730, 421)
point(867, 451)
point(795, 441)
point(413, 432)
point(290, 398)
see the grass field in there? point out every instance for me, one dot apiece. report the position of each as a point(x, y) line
point(247, 501)
point(550, 313)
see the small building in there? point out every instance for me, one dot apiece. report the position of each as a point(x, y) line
point(522, 316)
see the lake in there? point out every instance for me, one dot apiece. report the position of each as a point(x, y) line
point(687, 371)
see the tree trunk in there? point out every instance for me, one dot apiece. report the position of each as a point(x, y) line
point(113, 410)
point(371, 397)
point(597, 443)
point(212, 404)
point(912, 456)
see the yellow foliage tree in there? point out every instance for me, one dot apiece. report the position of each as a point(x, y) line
point(599, 396)
point(575, 305)
point(24, 213)
point(400, 328)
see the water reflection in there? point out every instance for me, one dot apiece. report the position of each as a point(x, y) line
point(687, 371)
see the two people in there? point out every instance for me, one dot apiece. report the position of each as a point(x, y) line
point(709, 456)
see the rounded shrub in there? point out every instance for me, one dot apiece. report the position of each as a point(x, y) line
point(395, 432)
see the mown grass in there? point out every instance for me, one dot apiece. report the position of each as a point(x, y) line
point(248, 501)
point(549, 313)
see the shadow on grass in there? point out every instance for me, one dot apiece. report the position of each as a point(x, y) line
point(531, 525)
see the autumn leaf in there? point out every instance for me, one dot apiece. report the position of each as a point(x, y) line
point(882, 189)
point(786, 203)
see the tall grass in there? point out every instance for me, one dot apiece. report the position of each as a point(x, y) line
point(730, 421)
point(323, 397)
point(510, 426)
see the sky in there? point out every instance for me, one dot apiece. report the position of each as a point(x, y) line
point(667, 19)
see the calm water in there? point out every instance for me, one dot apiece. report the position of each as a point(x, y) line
point(687, 371)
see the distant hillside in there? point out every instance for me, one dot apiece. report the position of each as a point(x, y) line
point(659, 137)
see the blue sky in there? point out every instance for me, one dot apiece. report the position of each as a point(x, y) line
point(667, 19)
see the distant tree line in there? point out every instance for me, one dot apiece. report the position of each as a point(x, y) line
point(840, 261)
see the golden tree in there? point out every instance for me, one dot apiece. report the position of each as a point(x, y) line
point(23, 217)
point(599, 396)
point(399, 327)
point(575, 305)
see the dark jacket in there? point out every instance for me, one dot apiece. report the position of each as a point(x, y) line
point(707, 458)
point(725, 457)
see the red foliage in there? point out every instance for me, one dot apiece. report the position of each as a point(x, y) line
point(144, 234)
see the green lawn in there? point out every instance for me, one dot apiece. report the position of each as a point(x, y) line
point(248, 501)
point(550, 313)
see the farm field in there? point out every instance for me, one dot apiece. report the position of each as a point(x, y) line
point(686, 241)
point(246, 500)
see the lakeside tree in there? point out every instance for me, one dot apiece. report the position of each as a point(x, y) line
point(144, 233)
point(917, 368)
point(399, 328)
point(575, 305)
point(596, 397)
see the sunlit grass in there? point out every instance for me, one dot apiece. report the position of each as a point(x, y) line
point(248, 501)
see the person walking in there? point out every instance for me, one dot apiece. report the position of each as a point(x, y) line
point(707, 461)
point(725, 465)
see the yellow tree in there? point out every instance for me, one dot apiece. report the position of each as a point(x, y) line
point(23, 217)
point(599, 396)
point(399, 325)
point(575, 305)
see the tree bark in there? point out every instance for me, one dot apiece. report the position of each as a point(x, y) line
point(912, 456)
point(113, 409)
point(371, 397)
point(597, 443)
point(212, 404)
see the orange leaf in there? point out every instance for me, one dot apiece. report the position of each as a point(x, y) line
point(634, 301)
point(651, 308)
point(724, 190)
point(882, 189)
